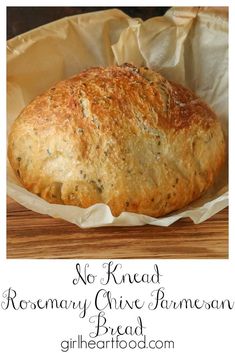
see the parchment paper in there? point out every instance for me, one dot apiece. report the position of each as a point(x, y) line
point(188, 45)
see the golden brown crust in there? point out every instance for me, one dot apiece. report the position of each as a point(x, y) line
point(122, 136)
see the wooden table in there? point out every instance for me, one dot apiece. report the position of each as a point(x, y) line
point(32, 235)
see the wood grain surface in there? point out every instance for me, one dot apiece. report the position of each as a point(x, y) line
point(32, 235)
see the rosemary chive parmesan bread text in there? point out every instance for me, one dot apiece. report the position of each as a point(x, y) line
point(121, 135)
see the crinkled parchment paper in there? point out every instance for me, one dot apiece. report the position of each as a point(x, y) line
point(188, 45)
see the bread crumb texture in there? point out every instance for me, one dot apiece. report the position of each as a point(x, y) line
point(120, 135)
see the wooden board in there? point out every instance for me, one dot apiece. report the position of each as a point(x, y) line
point(31, 235)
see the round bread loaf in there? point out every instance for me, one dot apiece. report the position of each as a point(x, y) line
point(120, 135)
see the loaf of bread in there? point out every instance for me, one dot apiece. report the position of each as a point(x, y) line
point(121, 135)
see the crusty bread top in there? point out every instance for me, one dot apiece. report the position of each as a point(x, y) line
point(120, 135)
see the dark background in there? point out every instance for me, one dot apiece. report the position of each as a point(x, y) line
point(22, 19)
